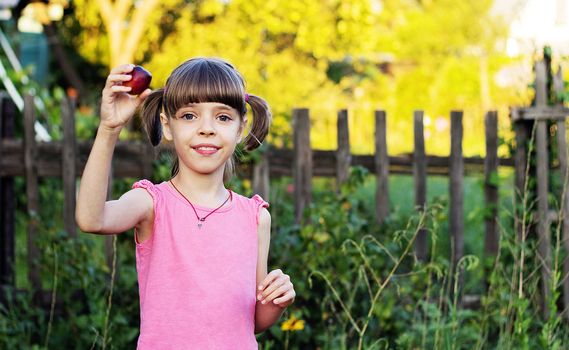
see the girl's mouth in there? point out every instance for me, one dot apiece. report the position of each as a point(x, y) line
point(206, 149)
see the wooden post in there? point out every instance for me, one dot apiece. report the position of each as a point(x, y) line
point(522, 129)
point(559, 86)
point(7, 199)
point(382, 167)
point(261, 179)
point(420, 178)
point(543, 210)
point(147, 159)
point(68, 166)
point(542, 179)
point(343, 155)
point(302, 163)
point(30, 158)
point(492, 239)
point(456, 195)
point(563, 163)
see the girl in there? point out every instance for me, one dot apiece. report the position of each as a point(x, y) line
point(201, 249)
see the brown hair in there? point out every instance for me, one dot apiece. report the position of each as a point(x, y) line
point(206, 80)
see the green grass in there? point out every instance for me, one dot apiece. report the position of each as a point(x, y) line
point(402, 200)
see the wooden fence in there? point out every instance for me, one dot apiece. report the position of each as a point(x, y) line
point(67, 158)
point(538, 130)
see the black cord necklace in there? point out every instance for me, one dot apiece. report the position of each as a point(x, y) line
point(201, 220)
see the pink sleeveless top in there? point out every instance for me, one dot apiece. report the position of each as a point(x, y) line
point(198, 285)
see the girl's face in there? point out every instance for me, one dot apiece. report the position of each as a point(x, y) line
point(204, 135)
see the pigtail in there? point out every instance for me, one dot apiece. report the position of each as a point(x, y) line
point(261, 122)
point(150, 114)
point(151, 109)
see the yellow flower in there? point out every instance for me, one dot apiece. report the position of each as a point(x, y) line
point(293, 324)
point(321, 237)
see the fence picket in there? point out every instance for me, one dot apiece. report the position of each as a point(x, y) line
point(7, 199)
point(261, 180)
point(382, 167)
point(542, 175)
point(543, 210)
point(559, 87)
point(420, 179)
point(564, 200)
point(522, 130)
point(456, 194)
point(148, 156)
point(302, 162)
point(32, 194)
point(491, 242)
point(343, 155)
point(68, 165)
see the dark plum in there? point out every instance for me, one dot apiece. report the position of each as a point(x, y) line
point(140, 80)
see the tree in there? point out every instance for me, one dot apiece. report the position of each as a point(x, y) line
point(120, 31)
point(123, 39)
point(326, 55)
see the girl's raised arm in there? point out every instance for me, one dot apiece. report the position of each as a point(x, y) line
point(93, 212)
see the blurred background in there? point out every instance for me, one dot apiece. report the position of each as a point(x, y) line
point(361, 55)
point(349, 245)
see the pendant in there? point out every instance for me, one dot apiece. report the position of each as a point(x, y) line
point(200, 223)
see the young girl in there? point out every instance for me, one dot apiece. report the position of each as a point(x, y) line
point(201, 249)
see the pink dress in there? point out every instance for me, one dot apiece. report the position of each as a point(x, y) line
point(198, 286)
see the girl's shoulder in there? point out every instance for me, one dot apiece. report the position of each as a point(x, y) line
point(259, 202)
point(255, 199)
point(155, 190)
point(254, 204)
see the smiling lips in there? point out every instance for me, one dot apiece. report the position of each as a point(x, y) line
point(206, 149)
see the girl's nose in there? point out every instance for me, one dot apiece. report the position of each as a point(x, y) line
point(206, 127)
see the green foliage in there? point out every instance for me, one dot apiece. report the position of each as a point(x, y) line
point(358, 283)
point(82, 285)
point(343, 265)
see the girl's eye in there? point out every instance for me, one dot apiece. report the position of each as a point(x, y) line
point(188, 116)
point(224, 118)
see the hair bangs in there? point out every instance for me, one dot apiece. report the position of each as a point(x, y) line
point(204, 80)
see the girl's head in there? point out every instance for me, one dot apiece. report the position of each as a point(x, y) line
point(204, 81)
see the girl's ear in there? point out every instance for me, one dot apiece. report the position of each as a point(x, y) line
point(166, 132)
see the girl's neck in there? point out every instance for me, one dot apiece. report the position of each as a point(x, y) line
point(205, 190)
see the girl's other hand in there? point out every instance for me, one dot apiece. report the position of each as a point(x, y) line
point(117, 106)
point(276, 288)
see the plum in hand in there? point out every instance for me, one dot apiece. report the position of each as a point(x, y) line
point(140, 80)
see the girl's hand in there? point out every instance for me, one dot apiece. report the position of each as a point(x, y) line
point(276, 288)
point(117, 106)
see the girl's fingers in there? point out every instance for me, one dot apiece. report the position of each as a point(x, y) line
point(288, 296)
point(281, 281)
point(278, 292)
point(119, 74)
point(120, 88)
point(123, 68)
point(117, 79)
point(273, 275)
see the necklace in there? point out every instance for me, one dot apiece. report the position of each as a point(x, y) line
point(201, 220)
